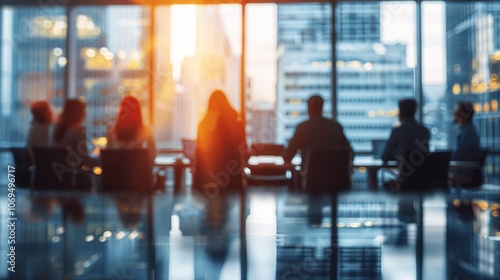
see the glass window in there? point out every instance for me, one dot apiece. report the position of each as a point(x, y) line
point(197, 50)
point(33, 58)
point(385, 53)
point(109, 61)
point(288, 59)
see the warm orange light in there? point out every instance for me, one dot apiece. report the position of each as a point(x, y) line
point(494, 105)
point(97, 170)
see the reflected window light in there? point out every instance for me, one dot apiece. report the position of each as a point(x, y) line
point(103, 50)
point(456, 89)
point(465, 89)
point(486, 107)
point(57, 51)
point(368, 66)
point(494, 105)
point(120, 235)
point(62, 61)
point(478, 108)
point(328, 63)
point(355, 64)
point(372, 114)
point(89, 238)
point(90, 52)
point(340, 64)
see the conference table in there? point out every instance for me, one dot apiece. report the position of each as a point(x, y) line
point(363, 163)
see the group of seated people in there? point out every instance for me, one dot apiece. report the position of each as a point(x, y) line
point(221, 146)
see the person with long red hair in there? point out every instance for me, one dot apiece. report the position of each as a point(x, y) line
point(129, 131)
point(41, 125)
point(220, 148)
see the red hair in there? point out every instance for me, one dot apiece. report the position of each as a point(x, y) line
point(42, 112)
point(129, 120)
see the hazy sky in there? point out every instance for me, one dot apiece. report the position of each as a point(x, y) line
point(398, 25)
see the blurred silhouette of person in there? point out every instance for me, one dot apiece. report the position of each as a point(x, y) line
point(70, 134)
point(317, 133)
point(211, 255)
point(409, 136)
point(220, 148)
point(468, 145)
point(69, 130)
point(40, 131)
point(129, 131)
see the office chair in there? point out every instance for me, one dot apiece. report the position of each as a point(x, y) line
point(126, 170)
point(327, 170)
point(23, 163)
point(56, 169)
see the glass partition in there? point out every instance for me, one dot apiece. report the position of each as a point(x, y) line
point(110, 60)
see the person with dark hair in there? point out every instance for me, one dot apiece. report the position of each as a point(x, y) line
point(70, 131)
point(468, 144)
point(316, 133)
point(220, 148)
point(41, 125)
point(129, 131)
point(409, 136)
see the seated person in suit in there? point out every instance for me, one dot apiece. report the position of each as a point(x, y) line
point(407, 137)
point(467, 146)
point(410, 137)
point(316, 133)
point(129, 131)
point(40, 130)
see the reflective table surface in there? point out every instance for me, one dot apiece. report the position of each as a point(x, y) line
point(264, 233)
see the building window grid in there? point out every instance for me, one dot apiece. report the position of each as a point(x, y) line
point(490, 131)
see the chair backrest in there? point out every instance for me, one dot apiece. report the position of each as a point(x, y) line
point(267, 149)
point(126, 170)
point(55, 169)
point(327, 170)
point(420, 172)
point(483, 156)
point(22, 161)
point(378, 147)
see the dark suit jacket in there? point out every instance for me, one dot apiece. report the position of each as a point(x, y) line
point(408, 137)
point(317, 133)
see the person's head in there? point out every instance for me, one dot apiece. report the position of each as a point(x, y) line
point(315, 106)
point(42, 112)
point(219, 104)
point(464, 112)
point(407, 108)
point(72, 116)
point(129, 120)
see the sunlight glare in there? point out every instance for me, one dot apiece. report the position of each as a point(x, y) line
point(183, 35)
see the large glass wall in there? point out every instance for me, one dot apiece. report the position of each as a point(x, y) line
point(33, 58)
point(109, 61)
point(375, 51)
point(197, 50)
point(172, 57)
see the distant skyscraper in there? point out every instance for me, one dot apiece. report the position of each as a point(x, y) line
point(371, 76)
point(473, 71)
point(358, 22)
point(260, 123)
